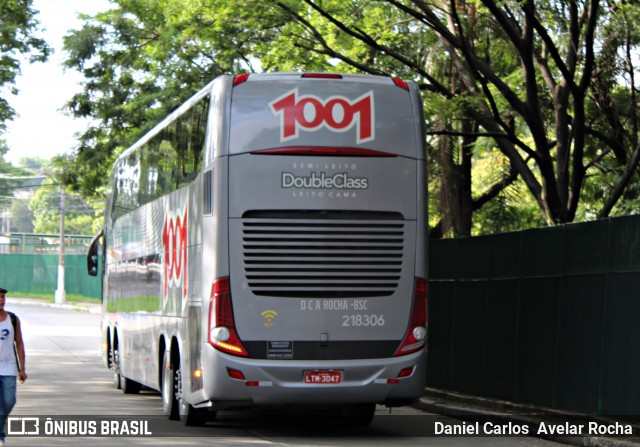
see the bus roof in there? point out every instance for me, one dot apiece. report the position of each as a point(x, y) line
point(365, 112)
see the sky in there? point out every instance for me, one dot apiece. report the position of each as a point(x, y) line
point(40, 128)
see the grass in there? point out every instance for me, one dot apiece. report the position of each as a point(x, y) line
point(48, 297)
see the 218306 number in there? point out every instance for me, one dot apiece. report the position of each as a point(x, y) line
point(360, 320)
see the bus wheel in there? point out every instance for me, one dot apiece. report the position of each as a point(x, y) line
point(189, 415)
point(358, 415)
point(109, 354)
point(115, 361)
point(127, 386)
point(169, 400)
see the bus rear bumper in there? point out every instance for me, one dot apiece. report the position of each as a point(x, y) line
point(391, 381)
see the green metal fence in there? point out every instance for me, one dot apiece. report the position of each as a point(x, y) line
point(38, 274)
point(43, 244)
point(549, 317)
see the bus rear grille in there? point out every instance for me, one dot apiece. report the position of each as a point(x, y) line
point(323, 258)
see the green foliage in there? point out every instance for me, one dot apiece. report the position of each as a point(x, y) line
point(79, 217)
point(141, 60)
point(18, 27)
point(513, 209)
point(527, 125)
point(21, 216)
point(33, 164)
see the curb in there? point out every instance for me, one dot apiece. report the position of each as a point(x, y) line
point(460, 406)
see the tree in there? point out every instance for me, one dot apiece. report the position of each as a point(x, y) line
point(21, 216)
point(17, 37)
point(141, 60)
point(548, 87)
point(80, 217)
point(34, 164)
point(538, 78)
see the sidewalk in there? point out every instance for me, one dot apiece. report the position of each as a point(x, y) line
point(94, 308)
point(464, 407)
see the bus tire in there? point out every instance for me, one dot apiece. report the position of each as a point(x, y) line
point(358, 415)
point(189, 415)
point(109, 351)
point(169, 399)
point(193, 417)
point(129, 386)
point(115, 360)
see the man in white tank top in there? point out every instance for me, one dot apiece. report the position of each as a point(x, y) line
point(12, 362)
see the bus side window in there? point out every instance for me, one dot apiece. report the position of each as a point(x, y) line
point(189, 138)
point(207, 183)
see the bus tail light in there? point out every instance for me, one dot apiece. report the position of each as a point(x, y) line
point(236, 374)
point(416, 336)
point(322, 76)
point(222, 327)
point(241, 78)
point(400, 83)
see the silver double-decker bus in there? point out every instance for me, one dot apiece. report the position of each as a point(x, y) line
point(266, 243)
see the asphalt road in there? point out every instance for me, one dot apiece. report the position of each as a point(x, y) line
point(67, 377)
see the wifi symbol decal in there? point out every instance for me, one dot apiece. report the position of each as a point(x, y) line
point(269, 316)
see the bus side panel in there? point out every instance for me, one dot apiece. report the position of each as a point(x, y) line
point(156, 252)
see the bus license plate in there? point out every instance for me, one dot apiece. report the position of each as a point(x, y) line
point(323, 377)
